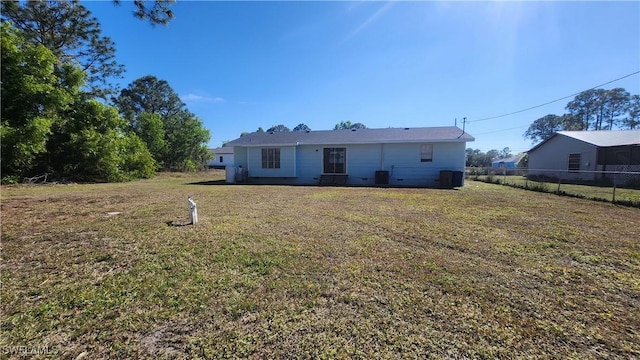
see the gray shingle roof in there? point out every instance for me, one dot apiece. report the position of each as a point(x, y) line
point(222, 150)
point(361, 136)
point(601, 138)
point(606, 137)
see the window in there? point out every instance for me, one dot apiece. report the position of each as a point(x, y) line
point(271, 158)
point(221, 159)
point(426, 153)
point(335, 160)
point(574, 162)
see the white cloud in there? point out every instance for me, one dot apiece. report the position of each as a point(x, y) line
point(191, 98)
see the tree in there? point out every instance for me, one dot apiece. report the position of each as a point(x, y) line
point(615, 105)
point(505, 153)
point(148, 94)
point(471, 159)
point(187, 144)
point(302, 127)
point(185, 137)
point(544, 127)
point(343, 125)
point(476, 158)
point(632, 120)
point(594, 109)
point(158, 13)
point(492, 154)
point(184, 143)
point(570, 122)
point(278, 128)
point(33, 93)
point(347, 125)
point(91, 144)
point(260, 130)
point(49, 125)
point(72, 34)
point(586, 105)
point(150, 129)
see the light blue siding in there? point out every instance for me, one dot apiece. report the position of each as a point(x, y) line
point(240, 156)
point(287, 163)
point(303, 164)
point(406, 169)
point(309, 164)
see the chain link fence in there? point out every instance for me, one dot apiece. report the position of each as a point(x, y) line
point(620, 185)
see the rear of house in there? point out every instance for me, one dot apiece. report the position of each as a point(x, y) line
point(395, 156)
point(585, 156)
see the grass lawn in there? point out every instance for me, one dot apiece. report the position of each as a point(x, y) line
point(631, 196)
point(486, 271)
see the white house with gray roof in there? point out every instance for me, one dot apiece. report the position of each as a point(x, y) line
point(394, 156)
point(221, 157)
point(586, 155)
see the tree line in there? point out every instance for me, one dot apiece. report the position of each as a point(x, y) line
point(594, 109)
point(342, 125)
point(62, 115)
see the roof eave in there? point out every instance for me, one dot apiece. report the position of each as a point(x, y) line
point(413, 141)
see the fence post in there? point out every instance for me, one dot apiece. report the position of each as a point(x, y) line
point(559, 181)
point(614, 189)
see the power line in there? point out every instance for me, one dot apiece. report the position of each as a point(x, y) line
point(551, 102)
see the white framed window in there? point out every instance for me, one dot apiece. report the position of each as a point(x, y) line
point(574, 163)
point(426, 153)
point(271, 158)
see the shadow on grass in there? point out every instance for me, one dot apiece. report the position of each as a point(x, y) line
point(177, 224)
point(223, 182)
point(210, 182)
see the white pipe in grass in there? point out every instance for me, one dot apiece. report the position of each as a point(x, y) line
point(194, 211)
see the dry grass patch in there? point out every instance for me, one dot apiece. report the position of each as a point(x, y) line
point(276, 271)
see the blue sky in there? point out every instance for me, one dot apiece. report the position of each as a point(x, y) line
point(243, 65)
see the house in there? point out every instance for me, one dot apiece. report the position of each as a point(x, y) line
point(394, 156)
point(507, 163)
point(222, 157)
point(585, 156)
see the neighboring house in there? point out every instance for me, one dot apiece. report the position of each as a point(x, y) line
point(586, 155)
point(507, 163)
point(394, 156)
point(221, 157)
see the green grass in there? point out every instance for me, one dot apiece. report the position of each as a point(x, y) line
point(316, 272)
point(623, 195)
